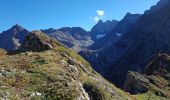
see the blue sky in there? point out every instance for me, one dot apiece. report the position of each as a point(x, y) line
point(43, 14)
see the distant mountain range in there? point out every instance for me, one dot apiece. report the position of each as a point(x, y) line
point(75, 38)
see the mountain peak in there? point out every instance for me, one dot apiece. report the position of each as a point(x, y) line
point(100, 22)
point(128, 14)
point(14, 37)
point(17, 27)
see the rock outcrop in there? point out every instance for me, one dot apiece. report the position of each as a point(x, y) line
point(136, 83)
point(37, 41)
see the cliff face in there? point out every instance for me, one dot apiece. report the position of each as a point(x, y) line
point(57, 73)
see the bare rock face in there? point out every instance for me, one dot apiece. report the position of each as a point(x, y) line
point(37, 41)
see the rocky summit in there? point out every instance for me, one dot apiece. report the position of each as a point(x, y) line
point(37, 41)
point(50, 71)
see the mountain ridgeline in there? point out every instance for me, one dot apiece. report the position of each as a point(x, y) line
point(75, 38)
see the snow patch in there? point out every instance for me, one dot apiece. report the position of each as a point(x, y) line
point(118, 34)
point(100, 36)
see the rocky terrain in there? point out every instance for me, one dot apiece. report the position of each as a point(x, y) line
point(45, 69)
point(155, 79)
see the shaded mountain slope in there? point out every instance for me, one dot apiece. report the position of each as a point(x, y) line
point(149, 36)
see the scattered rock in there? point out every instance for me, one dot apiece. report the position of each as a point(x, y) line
point(35, 94)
